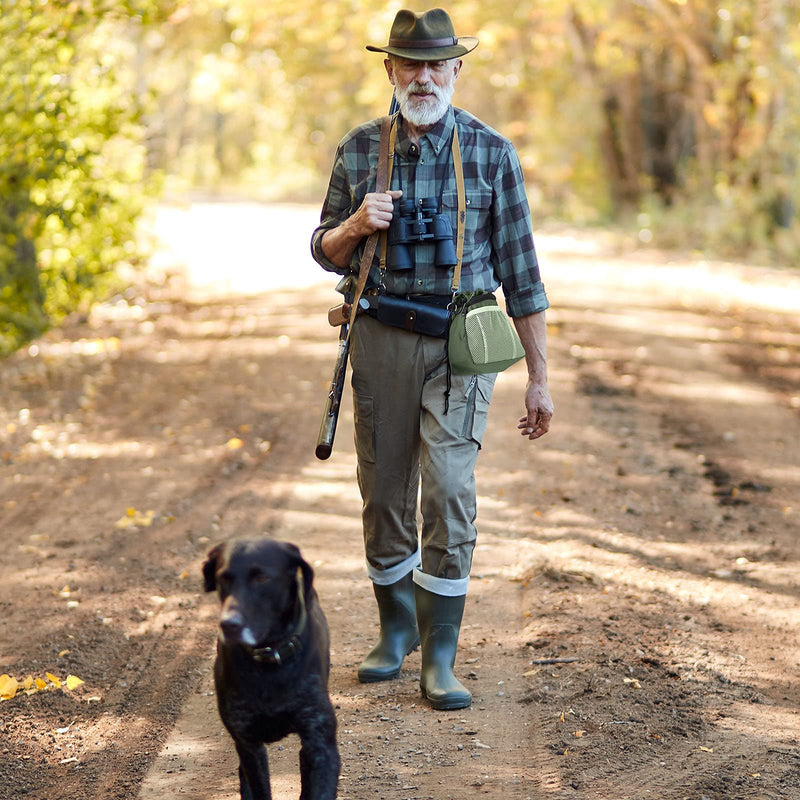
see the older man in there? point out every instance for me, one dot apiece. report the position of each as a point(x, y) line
point(415, 422)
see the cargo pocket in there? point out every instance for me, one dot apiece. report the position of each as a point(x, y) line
point(364, 424)
point(476, 407)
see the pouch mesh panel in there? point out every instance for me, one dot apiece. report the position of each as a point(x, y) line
point(487, 324)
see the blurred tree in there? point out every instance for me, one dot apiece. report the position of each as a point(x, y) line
point(71, 162)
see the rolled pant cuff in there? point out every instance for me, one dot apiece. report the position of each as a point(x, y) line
point(386, 577)
point(443, 586)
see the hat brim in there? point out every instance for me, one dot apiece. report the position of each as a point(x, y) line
point(466, 44)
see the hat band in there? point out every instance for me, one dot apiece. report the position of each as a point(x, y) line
point(423, 43)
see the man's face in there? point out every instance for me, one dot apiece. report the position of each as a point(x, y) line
point(423, 88)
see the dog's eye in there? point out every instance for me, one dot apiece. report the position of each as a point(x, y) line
point(258, 578)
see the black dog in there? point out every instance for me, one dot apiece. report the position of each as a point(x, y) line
point(273, 659)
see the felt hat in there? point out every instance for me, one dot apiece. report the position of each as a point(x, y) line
point(428, 36)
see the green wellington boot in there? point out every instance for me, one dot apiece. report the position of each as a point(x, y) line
point(399, 634)
point(439, 619)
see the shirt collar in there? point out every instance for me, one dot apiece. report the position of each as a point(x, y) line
point(438, 136)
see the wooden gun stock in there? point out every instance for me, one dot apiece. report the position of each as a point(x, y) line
point(330, 416)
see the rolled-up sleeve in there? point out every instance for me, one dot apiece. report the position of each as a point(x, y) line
point(513, 253)
point(335, 210)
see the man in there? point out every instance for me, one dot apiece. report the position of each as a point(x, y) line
point(407, 430)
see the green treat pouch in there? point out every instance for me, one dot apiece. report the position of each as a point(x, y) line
point(482, 337)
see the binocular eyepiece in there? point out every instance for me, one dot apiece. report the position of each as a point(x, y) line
point(416, 222)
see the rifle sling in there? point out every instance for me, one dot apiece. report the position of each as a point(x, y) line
point(385, 151)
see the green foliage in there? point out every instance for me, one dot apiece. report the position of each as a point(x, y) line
point(71, 158)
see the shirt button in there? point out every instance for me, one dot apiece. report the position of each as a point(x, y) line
point(413, 150)
point(419, 283)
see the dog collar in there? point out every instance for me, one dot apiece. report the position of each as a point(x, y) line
point(284, 651)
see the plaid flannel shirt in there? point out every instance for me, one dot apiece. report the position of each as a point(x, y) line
point(498, 243)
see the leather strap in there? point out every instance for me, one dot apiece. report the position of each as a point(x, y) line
point(382, 178)
point(462, 209)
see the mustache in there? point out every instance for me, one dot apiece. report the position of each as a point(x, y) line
point(424, 88)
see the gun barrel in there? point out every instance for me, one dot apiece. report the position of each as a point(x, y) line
point(330, 415)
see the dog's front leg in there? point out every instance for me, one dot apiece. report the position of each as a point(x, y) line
point(319, 768)
point(253, 772)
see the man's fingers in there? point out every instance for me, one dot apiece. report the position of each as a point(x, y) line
point(535, 425)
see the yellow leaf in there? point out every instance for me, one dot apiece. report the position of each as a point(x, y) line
point(706, 749)
point(73, 682)
point(63, 653)
point(135, 519)
point(184, 575)
point(234, 444)
point(8, 687)
point(40, 684)
point(53, 679)
point(579, 734)
point(28, 682)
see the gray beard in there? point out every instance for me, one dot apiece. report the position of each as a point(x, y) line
point(422, 114)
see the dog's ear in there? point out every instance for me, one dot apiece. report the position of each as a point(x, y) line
point(210, 568)
point(297, 561)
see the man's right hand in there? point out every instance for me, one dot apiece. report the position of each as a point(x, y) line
point(374, 214)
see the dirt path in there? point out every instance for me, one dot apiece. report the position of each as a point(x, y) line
point(651, 537)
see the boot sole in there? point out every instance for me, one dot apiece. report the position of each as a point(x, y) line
point(446, 703)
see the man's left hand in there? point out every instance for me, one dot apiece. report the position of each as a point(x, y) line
point(540, 411)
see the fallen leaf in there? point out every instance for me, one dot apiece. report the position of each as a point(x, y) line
point(135, 519)
point(63, 653)
point(28, 682)
point(234, 444)
point(53, 679)
point(73, 682)
point(40, 684)
point(8, 687)
point(706, 749)
point(634, 682)
point(579, 734)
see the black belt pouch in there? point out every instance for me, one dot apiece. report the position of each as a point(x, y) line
point(416, 317)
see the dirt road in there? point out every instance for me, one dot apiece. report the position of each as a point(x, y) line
point(632, 624)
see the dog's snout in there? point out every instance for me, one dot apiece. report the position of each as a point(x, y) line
point(231, 624)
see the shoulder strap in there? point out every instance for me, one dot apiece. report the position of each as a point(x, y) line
point(462, 209)
point(385, 149)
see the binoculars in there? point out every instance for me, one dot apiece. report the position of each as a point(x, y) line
point(420, 221)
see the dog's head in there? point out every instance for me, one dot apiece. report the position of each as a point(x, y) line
point(259, 583)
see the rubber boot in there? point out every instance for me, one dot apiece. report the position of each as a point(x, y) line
point(399, 634)
point(439, 619)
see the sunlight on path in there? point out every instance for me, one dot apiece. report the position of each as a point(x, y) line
point(229, 248)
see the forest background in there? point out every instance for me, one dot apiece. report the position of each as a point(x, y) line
point(676, 122)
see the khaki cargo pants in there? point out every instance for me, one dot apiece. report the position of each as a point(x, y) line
point(404, 439)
